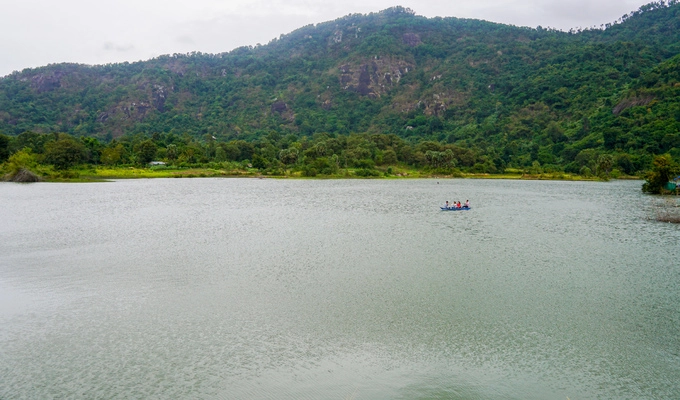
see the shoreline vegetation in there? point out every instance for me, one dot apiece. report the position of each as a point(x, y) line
point(61, 157)
point(666, 209)
point(105, 173)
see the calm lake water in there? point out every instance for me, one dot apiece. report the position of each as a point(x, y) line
point(337, 289)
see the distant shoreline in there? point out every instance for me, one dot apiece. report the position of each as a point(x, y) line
point(100, 174)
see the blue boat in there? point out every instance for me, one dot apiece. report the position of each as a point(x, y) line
point(455, 208)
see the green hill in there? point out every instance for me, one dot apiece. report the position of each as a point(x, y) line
point(497, 96)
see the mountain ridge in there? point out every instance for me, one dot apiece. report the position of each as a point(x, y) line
point(530, 95)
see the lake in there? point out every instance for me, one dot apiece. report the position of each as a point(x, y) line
point(337, 289)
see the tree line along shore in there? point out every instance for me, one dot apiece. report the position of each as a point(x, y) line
point(62, 157)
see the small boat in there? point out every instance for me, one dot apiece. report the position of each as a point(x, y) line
point(455, 208)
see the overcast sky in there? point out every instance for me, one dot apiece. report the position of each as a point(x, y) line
point(39, 32)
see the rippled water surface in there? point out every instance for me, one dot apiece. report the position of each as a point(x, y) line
point(350, 289)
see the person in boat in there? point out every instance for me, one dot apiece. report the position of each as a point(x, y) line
point(467, 203)
point(447, 204)
point(458, 205)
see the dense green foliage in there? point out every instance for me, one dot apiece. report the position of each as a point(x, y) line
point(322, 154)
point(372, 90)
point(663, 171)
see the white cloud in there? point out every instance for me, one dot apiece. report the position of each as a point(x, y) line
point(116, 47)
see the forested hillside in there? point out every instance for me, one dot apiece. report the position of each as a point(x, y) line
point(379, 89)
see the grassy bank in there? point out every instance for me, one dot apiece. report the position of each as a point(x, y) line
point(137, 173)
point(97, 174)
point(392, 173)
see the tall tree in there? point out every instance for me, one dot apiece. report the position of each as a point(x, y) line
point(65, 153)
point(663, 170)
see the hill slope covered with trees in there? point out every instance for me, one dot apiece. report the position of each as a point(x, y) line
point(386, 88)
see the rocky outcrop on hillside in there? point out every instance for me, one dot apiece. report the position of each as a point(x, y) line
point(375, 77)
point(632, 102)
point(46, 82)
point(411, 39)
point(159, 96)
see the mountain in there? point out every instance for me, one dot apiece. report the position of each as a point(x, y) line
point(514, 95)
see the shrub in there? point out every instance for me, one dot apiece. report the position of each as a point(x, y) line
point(68, 174)
point(65, 153)
point(309, 171)
point(23, 159)
point(364, 164)
point(366, 172)
point(663, 170)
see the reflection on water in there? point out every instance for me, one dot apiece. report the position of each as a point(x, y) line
point(239, 288)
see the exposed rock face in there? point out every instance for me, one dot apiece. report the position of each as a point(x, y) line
point(373, 78)
point(411, 39)
point(631, 102)
point(437, 103)
point(337, 37)
point(279, 107)
point(25, 176)
point(340, 33)
point(46, 82)
point(177, 67)
point(135, 110)
point(379, 75)
point(365, 80)
point(150, 97)
point(159, 97)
